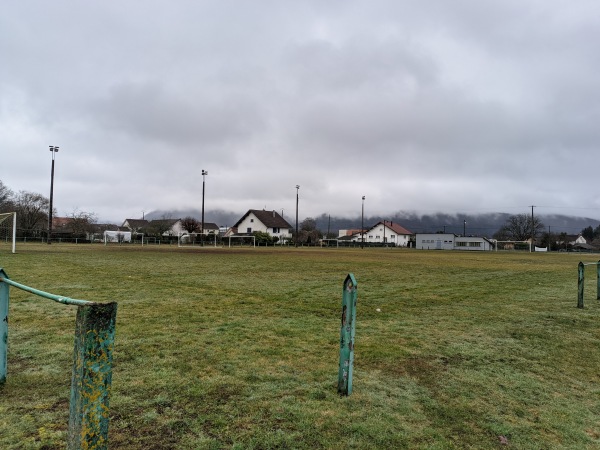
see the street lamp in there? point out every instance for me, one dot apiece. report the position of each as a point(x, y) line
point(362, 224)
point(464, 228)
point(204, 173)
point(53, 149)
point(296, 240)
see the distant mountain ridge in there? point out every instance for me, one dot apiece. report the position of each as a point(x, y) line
point(476, 224)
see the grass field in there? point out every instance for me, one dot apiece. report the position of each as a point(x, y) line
point(238, 348)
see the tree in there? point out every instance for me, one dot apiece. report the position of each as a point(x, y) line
point(262, 237)
point(308, 233)
point(32, 212)
point(588, 233)
point(190, 224)
point(518, 228)
point(6, 196)
point(82, 223)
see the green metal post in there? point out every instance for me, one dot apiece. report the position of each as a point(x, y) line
point(92, 376)
point(4, 290)
point(598, 281)
point(580, 281)
point(347, 333)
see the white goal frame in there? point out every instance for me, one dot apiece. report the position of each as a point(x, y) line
point(3, 217)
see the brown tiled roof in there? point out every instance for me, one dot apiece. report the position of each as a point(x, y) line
point(209, 226)
point(136, 223)
point(270, 219)
point(399, 229)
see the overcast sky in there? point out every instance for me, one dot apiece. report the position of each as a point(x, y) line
point(451, 106)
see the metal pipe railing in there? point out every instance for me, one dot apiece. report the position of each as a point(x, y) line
point(92, 364)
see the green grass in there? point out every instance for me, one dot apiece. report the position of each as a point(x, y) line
point(239, 348)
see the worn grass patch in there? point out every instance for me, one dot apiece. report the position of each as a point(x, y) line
point(223, 348)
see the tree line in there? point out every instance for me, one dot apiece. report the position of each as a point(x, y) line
point(33, 210)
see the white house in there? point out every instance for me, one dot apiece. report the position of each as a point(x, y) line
point(388, 232)
point(265, 221)
point(450, 241)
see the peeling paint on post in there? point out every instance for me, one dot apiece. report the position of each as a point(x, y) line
point(347, 333)
point(580, 282)
point(4, 293)
point(92, 376)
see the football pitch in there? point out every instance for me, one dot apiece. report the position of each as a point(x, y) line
point(239, 348)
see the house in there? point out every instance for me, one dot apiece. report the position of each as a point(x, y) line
point(209, 228)
point(451, 241)
point(165, 227)
point(264, 221)
point(135, 225)
point(387, 232)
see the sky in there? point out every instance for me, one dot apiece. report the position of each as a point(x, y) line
point(463, 106)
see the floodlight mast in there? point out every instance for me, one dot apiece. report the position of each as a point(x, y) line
point(204, 173)
point(297, 189)
point(53, 149)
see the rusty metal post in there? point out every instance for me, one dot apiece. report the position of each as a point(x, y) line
point(598, 281)
point(580, 282)
point(347, 334)
point(92, 376)
point(4, 293)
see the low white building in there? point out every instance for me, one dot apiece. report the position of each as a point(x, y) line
point(450, 241)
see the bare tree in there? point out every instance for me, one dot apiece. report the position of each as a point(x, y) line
point(82, 223)
point(519, 228)
point(32, 212)
point(309, 234)
point(190, 224)
point(6, 196)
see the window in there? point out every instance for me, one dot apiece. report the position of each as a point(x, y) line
point(461, 244)
point(275, 230)
point(474, 244)
point(251, 220)
point(248, 230)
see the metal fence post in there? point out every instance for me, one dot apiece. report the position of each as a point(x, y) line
point(580, 280)
point(347, 333)
point(598, 281)
point(4, 291)
point(92, 376)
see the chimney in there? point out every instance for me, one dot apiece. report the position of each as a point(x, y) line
point(273, 213)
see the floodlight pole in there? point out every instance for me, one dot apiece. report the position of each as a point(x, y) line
point(53, 149)
point(531, 247)
point(297, 189)
point(204, 173)
point(362, 224)
point(464, 228)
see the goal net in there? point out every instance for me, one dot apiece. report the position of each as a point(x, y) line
point(8, 229)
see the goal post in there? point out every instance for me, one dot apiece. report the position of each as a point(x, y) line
point(5, 228)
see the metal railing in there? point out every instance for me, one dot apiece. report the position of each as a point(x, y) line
point(92, 364)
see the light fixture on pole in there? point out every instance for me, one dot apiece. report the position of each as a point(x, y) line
point(53, 149)
point(464, 228)
point(362, 224)
point(204, 173)
point(297, 189)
